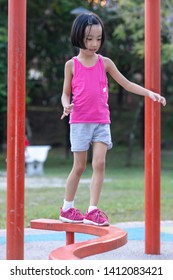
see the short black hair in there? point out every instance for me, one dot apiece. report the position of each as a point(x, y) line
point(79, 26)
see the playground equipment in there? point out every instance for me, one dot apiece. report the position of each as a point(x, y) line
point(16, 128)
point(35, 157)
point(109, 238)
point(152, 128)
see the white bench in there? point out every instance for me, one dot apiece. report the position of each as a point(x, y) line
point(35, 157)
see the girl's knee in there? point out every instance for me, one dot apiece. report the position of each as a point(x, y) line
point(79, 164)
point(79, 168)
point(98, 165)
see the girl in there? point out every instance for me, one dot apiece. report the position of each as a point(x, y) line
point(85, 77)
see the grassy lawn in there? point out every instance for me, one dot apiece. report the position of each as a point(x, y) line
point(122, 196)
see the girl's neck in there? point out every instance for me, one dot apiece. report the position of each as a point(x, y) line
point(87, 60)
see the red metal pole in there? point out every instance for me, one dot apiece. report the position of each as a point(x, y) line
point(69, 237)
point(16, 128)
point(152, 128)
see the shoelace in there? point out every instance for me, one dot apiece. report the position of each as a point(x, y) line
point(100, 213)
point(75, 212)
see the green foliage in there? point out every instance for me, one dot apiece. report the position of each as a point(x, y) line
point(3, 79)
point(125, 30)
point(3, 68)
point(128, 36)
point(167, 51)
point(48, 45)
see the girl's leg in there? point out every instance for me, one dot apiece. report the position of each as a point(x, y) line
point(98, 164)
point(95, 216)
point(79, 166)
point(68, 213)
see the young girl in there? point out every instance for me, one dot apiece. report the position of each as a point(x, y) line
point(85, 77)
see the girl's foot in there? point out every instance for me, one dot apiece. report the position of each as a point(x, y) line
point(72, 215)
point(96, 217)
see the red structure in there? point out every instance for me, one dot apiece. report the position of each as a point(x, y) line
point(109, 238)
point(16, 128)
point(152, 128)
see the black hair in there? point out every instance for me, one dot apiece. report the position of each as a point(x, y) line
point(78, 28)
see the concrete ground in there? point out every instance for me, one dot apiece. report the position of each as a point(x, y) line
point(39, 243)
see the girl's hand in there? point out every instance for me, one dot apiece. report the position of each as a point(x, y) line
point(157, 97)
point(67, 110)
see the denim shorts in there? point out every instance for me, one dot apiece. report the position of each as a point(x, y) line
point(82, 135)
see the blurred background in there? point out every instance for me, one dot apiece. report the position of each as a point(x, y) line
point(48, 48)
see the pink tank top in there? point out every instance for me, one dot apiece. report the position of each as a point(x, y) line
point(90, 93)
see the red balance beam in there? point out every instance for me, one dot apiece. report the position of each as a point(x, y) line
point(109, 238)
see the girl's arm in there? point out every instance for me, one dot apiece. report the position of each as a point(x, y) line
point(66, 94)
point(129, 86)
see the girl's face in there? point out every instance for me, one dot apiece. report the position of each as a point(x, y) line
point(93, 36)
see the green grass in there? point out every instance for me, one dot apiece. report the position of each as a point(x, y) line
point(122, 196)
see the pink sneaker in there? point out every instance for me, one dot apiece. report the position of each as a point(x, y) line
point(96, 217)
point(72, 215)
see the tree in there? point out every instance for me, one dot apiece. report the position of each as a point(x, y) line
point(3, 70)
point(48, 46)
point(128, 41)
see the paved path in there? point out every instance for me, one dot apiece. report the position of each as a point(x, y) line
point(42, 181)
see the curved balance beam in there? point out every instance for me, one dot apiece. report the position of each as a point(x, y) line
point(110, 238)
